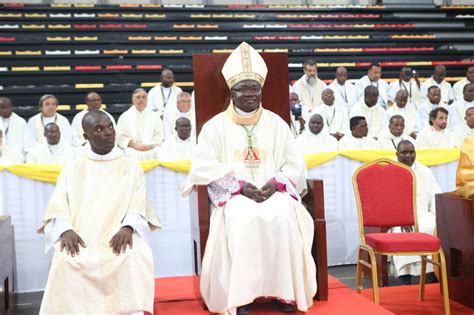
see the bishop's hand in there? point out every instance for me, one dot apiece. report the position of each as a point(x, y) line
point(121, 239)
point(252, 192)
point(268, 189)
point(70, 241)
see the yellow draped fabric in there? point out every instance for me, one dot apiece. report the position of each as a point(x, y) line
point(465, 172)
point(429, 157)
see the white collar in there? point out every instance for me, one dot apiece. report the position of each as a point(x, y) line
point(112, 155)
point(242, 113)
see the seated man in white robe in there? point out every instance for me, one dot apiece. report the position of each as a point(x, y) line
point(433, 101)
point(408, 84)
point(389, 139)
point(13, 126)
point(140, 131)
point(34, 132)
point(373, 78)
point(344, 91)
point(465, 102)
point(407, 112)
point(309, 87)
point(357, 139)
point(438, 79)
point(183, 108)
point(374, 114)
point(298, 115)
point(458, 87)
point(437, 135)
point(255, 173)
point(426, 188)
point(467, 128)
point(93, 101)
point(316, 139)
point(164, 94)
point(180, 145)
point(336, 120)
point(99, 204)
point(53, 151)
point(8, 154)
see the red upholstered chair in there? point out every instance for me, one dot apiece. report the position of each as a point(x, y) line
point(385, 193)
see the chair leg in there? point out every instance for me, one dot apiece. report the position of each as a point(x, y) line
point(444, 281)
point(375, 280)
point(421, 296)
point(359, 272)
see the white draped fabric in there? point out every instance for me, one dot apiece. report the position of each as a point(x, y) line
point(25, 200)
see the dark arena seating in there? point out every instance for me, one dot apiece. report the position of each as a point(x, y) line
point(69, 50)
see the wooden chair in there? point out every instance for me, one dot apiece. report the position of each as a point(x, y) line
point(385, 193)
point(212, 97)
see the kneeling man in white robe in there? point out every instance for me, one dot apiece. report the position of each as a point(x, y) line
point(426, 189)
point(53, 151)
point(99, 204)
point(260, 236)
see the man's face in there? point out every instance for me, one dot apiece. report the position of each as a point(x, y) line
point(439, 75)
point(93, 101)
point(441, 121)
point(371, 97)
point(341, 76)
point(470, 117)
point(246, 95)
point(316, 124)
point(183, 128)
point(406, 154)
point(469, 93)
point(311, 71)
point(470, 74)
point(361, 129)
point(396, 126)
point(6, 108)
point(184, 103)
point(401, 99)
point(406, 75)
point(101, 135)
point(328, 97)
point(49, 107)
point(434, 95)
point(139, 99)
point(52, 134)
point(294, 99)
point(167, 78)
point(374, 73)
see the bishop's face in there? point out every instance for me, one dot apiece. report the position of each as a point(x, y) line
point(246, 95)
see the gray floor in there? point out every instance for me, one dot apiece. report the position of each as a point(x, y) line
point(29, 303)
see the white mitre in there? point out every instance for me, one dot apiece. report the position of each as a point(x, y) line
point(244, 63)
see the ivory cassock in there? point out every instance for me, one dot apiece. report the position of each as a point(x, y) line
point(447, 93)
point(175, 149)
point(34, 132)
point(311, 143)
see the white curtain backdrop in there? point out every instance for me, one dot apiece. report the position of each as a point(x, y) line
point(25, 200)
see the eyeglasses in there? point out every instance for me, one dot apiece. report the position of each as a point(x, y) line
point(253, 89)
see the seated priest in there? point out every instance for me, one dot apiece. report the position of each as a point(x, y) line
point(180, 145)
point(408, 112)
point(391, 137)
point(98, 209)
point(12, 126)
point(336, 119)
point(465, 102)
point(374, 114)
point(357, 139)
point(426, 189)
point(466, 129)
point(260, 235)
point(437, 135)
point(183, 108)
point(316, 139)
point(139, 130)
point(53, 151)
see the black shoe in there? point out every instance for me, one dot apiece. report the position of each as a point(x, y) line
point(405, 279)
point(244, 309)
point(285, 308)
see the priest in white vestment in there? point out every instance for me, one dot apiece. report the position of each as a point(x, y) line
point(316, 139)
point(140, 131)
point(374, 114)
point(434, 101)
point(426, 189)
point(53, 150)
point(358, 139)
point(408, 113)
point(260, 235)
point(409, 84)
point(373, 78)
point(437, 135)
point(183, 108)
point(8, 154)
point(438, 79)
point(180, 145)
point(344, 91)
point(34, 132)
point(13, 126)
point(93, 101)
point(309, 87)
point(458, 87)
point(97, 224)
point(466, 129)
point(336, 119)
point(164, 94)
point(466, 101)
point(391, 137)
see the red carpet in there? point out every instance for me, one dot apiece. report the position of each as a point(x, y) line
point(404, 300)
point(180, 296)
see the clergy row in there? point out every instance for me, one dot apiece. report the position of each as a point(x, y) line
point(48, 138)
point(433, 125)
point(309, 87)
